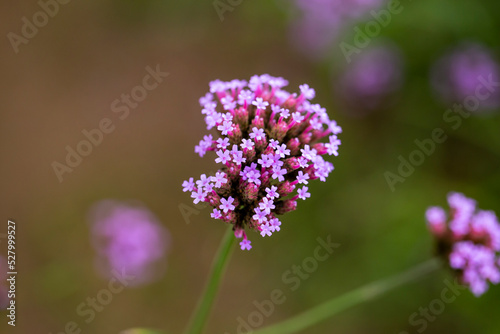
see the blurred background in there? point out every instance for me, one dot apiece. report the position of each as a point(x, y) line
point(391, 87)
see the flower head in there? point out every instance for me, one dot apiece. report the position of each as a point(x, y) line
point(267, 143)
point(469, 239)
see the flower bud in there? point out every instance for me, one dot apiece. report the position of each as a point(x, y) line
point(285, 188)
point(279, 130)
point(294, 146)
point(285, 206)
point(250, 192)
point(320, 147)
point(291, 164)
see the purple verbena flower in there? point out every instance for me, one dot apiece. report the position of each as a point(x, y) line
point(219, 179)
point(247, 144)
point(226, 204)
point(264, 151)
point(188, 185)
point(206, 99)
point(228, 103)
point(245, 97)
point(245, 244)
point(199, 195)
point(302, 178)
point(333, 146)
point(257, 134)
point(267, 205)
point(469, 239)
point(223, 156)
point(273, 143)
point(279, 173)
point(260, 103)
point(238, 158)
point(285, 113)
point(222, 143)
point(259, 216)
point(204, 145)
point(272, 192)
point(282, 151)
point(307, 91)
point(265, 229)
point(225, 127)
point(297, 117)
point(303, 194)
point(308, 153)
point(203, 181)
point(266, 160)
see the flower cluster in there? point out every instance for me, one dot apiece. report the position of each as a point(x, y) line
point(470, 241)
point(268, 144)
point(128, 238)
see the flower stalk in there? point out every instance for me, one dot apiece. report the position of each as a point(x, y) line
point(200, 316)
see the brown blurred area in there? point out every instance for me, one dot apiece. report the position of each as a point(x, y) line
point(62, 82)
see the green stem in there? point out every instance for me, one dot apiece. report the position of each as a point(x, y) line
point(362, 294)
point(200, 316)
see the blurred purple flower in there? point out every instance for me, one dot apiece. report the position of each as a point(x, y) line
point(321, 21)
point(370, 79)
point(469, 240)
point(130, 238)
point(459, 73)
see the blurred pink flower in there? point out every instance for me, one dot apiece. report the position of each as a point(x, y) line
point(370, 79)
point(321, 21)
point(458, 74)
point(128, 237)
